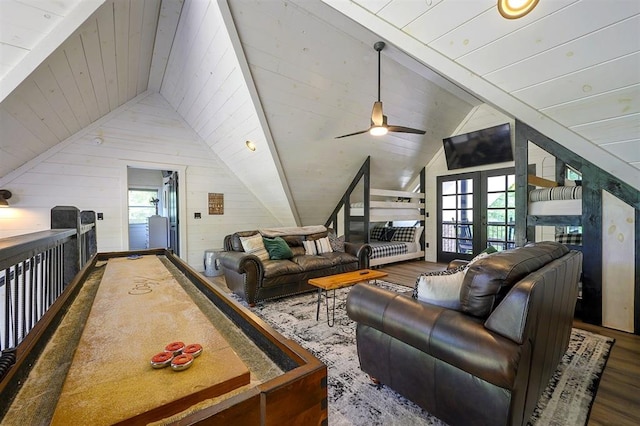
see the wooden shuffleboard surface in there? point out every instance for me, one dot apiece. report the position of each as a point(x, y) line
point(138, 309)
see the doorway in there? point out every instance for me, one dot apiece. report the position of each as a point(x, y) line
point(475, 210)
point(152, 207)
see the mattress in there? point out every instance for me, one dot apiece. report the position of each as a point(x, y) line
point(556, 208)
point(388, 249)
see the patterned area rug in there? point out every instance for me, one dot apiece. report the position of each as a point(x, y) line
point(354, 400)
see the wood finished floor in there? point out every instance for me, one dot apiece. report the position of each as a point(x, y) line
point(618, 398)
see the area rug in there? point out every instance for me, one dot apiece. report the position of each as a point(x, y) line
point(354, 400)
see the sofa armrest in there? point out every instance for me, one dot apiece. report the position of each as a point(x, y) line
point(242, 274)
point(451, 336)
point(360, 250)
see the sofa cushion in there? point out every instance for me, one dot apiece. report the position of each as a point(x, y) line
point(489, 279)
point(340, 258)
point(311, 263)
point(274, 268)
point(277, 248)
point(254, 245)
point(293, 240)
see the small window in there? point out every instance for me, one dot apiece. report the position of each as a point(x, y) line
point(141, 205)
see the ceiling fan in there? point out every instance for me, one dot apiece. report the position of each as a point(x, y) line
point(379, 124)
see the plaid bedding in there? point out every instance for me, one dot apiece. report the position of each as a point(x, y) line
point(573, 239)
point(387, 249)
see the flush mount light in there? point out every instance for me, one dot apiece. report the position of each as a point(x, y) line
point(250, 145)
point(4, 196)
point(514, 9)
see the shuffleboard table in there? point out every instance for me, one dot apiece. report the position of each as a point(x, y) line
point(88, 361)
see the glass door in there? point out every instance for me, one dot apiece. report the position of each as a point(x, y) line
point(475, 210)
point(501, 211)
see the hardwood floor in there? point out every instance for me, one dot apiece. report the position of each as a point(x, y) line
point(618, 398)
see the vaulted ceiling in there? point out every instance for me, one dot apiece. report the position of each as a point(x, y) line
point(292, 75)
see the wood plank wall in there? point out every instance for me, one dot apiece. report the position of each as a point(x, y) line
point(145, 133)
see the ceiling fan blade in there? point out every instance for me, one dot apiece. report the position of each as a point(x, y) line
point(352, 134)
point(402, 129)
point(377, 118)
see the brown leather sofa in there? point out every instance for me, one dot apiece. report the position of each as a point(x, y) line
point(475, 370)
point(255, 280)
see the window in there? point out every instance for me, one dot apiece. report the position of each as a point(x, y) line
point(140, 205)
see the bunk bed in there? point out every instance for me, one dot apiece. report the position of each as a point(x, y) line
point(560, 206)
point(395, 223)
point(391, 221)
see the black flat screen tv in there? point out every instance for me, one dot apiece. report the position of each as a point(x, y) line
point(479, 148)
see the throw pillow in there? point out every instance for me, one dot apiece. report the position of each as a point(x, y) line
point(310, 248)
point(254, 245)
point(387, 234)
point(323, 245)
point(277, 248)
point(441, 288)
point(337, 243)
point(404, 234)
point(376, 231)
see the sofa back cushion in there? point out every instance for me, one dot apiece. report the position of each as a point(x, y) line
point(488, 280)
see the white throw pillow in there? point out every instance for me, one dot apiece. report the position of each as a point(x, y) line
point(323, 245)
point(310, 248)
point(254, 245)
point(442, 289)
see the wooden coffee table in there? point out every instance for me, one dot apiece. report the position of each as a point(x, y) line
point(334, 282)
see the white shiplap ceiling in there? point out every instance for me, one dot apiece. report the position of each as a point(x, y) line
point(291, 75)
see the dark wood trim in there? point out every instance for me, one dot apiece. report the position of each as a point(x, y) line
point(594, 181)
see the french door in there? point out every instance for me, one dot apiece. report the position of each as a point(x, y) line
point(475, 210)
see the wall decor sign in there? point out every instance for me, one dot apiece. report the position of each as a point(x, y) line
point(216, 203)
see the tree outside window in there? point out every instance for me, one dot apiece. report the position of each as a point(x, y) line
point(141, 205)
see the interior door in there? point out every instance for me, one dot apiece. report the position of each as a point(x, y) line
point(475, 210)
point(172, 212)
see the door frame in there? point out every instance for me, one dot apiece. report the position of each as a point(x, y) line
point(124, 201)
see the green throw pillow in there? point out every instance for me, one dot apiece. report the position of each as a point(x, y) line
point(278, 248)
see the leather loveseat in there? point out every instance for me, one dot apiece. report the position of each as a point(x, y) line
point(254, 279)
point(488, 362)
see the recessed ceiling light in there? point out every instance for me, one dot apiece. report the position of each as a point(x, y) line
point(514, 9)
point(250, 145)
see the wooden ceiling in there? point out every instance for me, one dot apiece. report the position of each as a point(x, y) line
point(292, 75)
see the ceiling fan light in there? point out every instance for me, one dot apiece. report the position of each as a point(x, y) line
point(378, 131)
point(514, 9)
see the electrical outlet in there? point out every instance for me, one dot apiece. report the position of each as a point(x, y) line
point(197, 216)
point(100, 216)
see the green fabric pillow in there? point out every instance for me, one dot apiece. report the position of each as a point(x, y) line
point(278, 248)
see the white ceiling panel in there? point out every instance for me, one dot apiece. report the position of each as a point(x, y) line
point(590, 81)
point(611, 104)
point(548, 32)
point(402, 12)
point(612, 130)
point(445, 17)
point(597, 48)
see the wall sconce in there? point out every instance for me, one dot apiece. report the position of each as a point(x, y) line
point(514, 9)
point(250, 145)
point(4, 196)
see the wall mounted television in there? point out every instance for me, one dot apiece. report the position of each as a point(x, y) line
point(479, 148)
